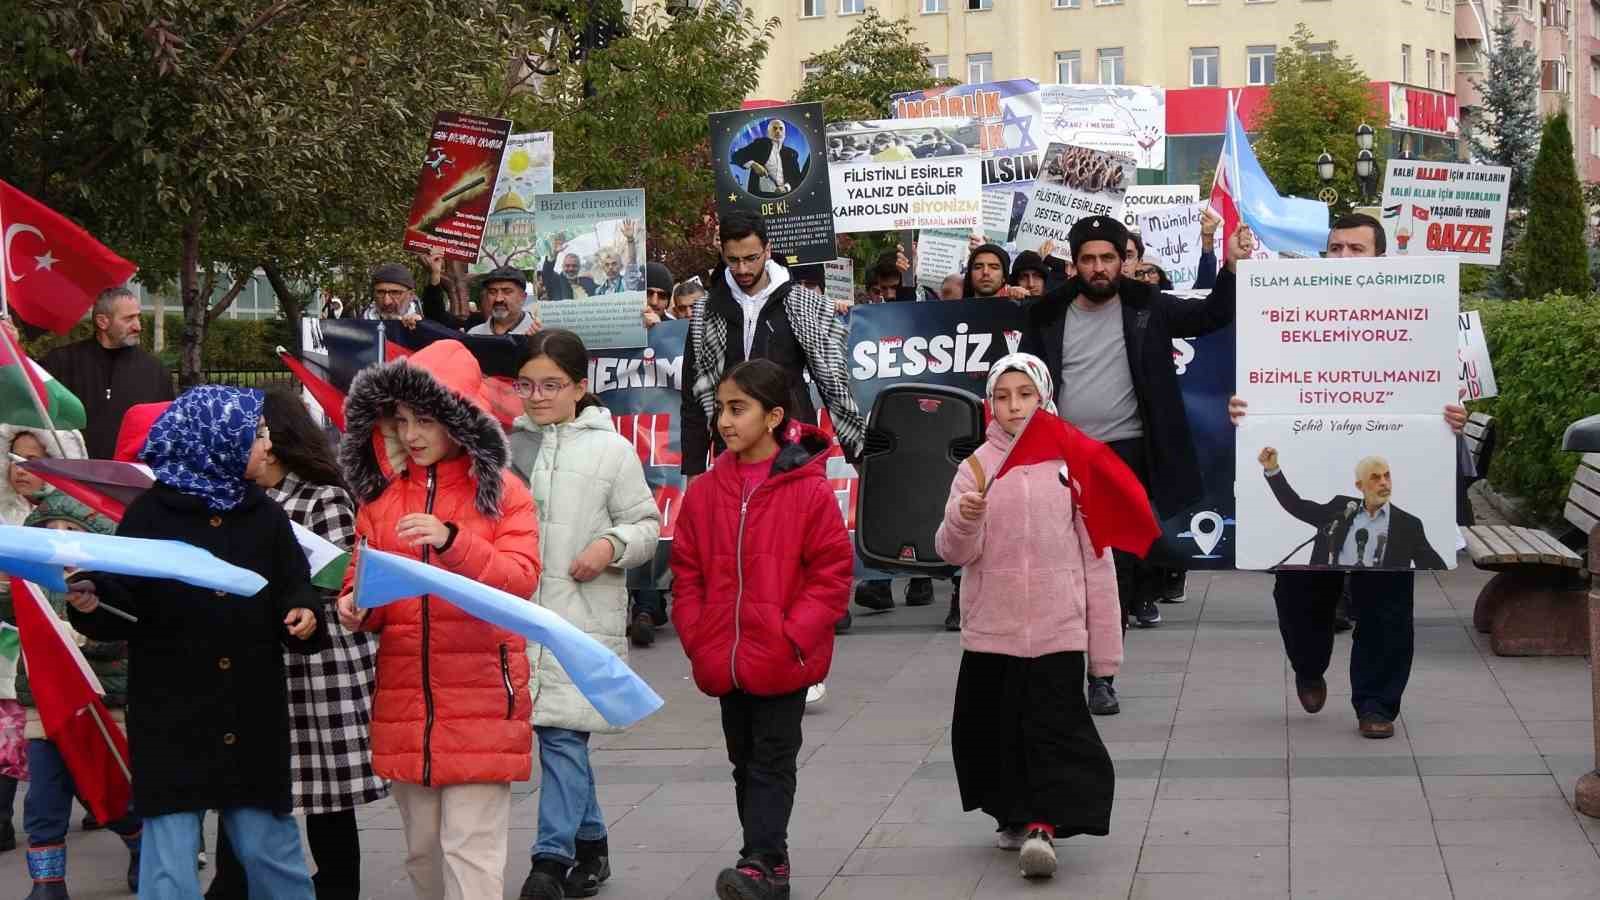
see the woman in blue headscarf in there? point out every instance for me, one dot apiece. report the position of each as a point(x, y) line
point(209, 723)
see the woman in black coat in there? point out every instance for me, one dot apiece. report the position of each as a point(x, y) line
point(208, 723)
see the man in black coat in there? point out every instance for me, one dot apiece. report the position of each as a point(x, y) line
point(1359, 532)
point(109, 371)
point(1108, 339)
point(774, 169)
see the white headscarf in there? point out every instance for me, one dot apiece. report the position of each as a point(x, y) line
point(1029, 365)
point(15, 508)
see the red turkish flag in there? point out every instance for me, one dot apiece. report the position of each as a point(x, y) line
point(1419, 212)
point(53, 269)
point(1116, 510)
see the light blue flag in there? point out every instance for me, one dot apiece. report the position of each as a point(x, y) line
point(619, 695)
point(39, 555)
point(1287, 225)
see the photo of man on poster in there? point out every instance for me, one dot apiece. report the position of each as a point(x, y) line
point(1365, 532)
point(774, 169)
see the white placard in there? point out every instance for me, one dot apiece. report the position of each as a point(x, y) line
point(1074, 183)
point(892, 174)
point(1142, 198)
point(1446, 209)
point(1346, 365)
point(839, 279)
point(1130, 120)
point(940, 254)
point(1171, 238)
point(1477, 372)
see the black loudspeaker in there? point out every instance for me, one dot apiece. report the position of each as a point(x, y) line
point(916, 436)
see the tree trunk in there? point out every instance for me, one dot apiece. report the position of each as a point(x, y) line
point(194, 305)
point(292, 304)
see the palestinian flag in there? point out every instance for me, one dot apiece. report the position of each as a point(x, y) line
point(326, 560)
point(25, 389)
point(317, 380)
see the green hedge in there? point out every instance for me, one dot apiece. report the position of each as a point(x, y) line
point(229, 344)
point(1546, 356)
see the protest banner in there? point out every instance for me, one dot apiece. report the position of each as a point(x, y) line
point(1128, 120)
point(526, 170)
point(1139, 198)
point(1011, 135)
point(770, 162)
point(1075, 183)
point(839, 279)
point(456, 184)
point(1477, 372)
point(593, 247)
point(1346, 365)
point(1446, 209)
point(1171, 238)
point(894, 173)
point(939, 255)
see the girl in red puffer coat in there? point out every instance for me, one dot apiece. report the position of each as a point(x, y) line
point(761, 570)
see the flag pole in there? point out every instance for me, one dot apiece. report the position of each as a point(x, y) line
point(1007, 455)
point(106, 733)
point(5, 262)
point(1235, 181)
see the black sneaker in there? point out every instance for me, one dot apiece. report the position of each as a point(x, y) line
point(1146, 614)
point(1103, 698)
point(874, 595)
point(952, 619)
point(1175, 586)
point(642, 631)
point(919, 592)
point(592, 870)
point(753, 879)
point(843, 625)
point(545, 881)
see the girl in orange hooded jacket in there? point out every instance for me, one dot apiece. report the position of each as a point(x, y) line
point(761, 568)
point(451, 714)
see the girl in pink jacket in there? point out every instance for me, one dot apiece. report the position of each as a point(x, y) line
point(1038, 608)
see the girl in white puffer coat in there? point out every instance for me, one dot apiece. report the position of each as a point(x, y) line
point(597, 519)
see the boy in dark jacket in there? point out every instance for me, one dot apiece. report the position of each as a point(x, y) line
point(211, 727)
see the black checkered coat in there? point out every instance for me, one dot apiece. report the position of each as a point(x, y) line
point(330, 694)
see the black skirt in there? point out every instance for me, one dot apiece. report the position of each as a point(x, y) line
point(1026, 749)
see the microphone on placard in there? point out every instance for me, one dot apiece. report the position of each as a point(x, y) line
point(1361, 546)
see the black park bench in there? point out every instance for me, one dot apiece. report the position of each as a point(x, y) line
point(1536, 604)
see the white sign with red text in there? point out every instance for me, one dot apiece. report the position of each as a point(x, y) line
point(1446, 209)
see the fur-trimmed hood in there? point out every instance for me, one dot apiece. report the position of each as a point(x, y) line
point(14, 507)
point(442, 380)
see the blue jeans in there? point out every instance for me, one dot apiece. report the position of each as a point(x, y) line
point(47, 808)
point(569, 811)
point(267, 844)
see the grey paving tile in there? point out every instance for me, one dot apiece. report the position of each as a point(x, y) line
point(1564, 885)
point(1440, 787)
point(1382, 832)
point(1240, 859)
point(1351, 885)
point(1470, 862)
point(956, 886)
point(1190, 886)
point(1314, 861)
point(916, 861)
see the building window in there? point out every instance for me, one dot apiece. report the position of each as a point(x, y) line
point(1112, 70)
point(939, 66)
point(851, 7)
point(1594, 19)
point(1203, 64)
point(1322, 49)
point(808, 69)
point(811, 9)
point(1427, 71)
point(979, 5)
point(980, 68)
point(1405, 63)
point(1262, 63)
point(1445, 83)
point(1553, 13)
point(1107, 3)
point(1069, 67)
point(1594, 140)
point(1066, 4)
point(1594, 77)
point(1553, 75)
point(933, 6)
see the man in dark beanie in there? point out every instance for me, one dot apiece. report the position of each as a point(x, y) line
point(657, 293)
point(1030, 273)
point(988, 266)
point(504, 296)
point(394, 294)
point(1108, 339)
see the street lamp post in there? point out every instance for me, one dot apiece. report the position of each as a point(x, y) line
point(1325, 172)
point(1366, 175)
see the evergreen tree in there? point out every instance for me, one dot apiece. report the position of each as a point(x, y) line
point(1316, 104)
point(1556, 218)
point(1506, 127)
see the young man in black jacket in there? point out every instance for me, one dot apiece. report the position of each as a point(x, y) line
point(1109, 341)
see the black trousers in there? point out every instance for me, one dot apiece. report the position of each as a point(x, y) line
point(1137, 580)
point(1382, 604)
point(335, 848)
point(763, 735)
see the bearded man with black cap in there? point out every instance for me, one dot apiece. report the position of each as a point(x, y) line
point(1108, 339)
point(505, 290)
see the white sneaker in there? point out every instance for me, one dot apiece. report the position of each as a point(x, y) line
point(1038, 856)
point(1011, 838)
point(815, 693)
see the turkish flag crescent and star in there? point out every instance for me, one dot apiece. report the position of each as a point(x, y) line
point(53, 269)
point(75, 719)
point(1116, 509)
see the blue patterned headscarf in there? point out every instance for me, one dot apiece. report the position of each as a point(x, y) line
point(201, 444)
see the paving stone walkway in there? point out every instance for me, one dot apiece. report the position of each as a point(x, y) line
point(1225, 788)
